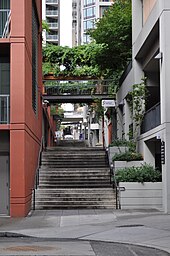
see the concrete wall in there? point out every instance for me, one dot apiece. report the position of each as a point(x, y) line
point(147, 8)
point(141, 196)
point(152, 36)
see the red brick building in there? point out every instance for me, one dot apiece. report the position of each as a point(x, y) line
point(20, 103)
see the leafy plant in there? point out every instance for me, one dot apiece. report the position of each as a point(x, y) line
point(126, 143)
point(45, 25)
point(137, 99)
point(97, 108)
point(144, 173)
point(127, 156)
point(114, 30)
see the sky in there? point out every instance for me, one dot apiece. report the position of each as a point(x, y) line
point(66, 23)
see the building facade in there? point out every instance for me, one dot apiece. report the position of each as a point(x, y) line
point(76, 22)
point(50, 13)
point(150, 58)
point(20, 103)
point(91, 11)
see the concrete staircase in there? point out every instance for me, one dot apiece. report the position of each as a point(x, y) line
point(74, 176)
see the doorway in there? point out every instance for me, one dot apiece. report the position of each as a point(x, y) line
point(4, 184)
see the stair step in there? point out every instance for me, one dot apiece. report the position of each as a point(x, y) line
point(73, 177)
point(94, 202)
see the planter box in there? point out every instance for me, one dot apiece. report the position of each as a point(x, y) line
point(113, 150)
point(141, 196)
point(123, 164)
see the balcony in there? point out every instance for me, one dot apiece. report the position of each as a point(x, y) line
point(51, 1)
point(51, 13)
point(152, 118)
point(5, 16)
point(52, 37)
point(53, 25)
point(4, 109)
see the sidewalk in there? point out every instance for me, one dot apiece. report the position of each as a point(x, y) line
point(146, 228)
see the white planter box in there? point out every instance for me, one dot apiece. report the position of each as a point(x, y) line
point(122, 164)
point(114, 150)
point(146, 195)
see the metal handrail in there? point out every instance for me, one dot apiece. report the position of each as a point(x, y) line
point(36, 183)
point(91, 89)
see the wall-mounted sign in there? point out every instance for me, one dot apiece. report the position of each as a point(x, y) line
point(162, 152)
point(108, 103)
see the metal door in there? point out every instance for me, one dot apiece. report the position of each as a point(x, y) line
point(4, 185)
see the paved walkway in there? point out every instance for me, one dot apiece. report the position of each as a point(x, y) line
point(86, 232)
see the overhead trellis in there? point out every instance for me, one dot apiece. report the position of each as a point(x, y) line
point(79, 61)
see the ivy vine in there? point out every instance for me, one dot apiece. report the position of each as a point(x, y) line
point(136, 99)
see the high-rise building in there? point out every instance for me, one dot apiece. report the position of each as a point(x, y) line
point(51, 15)
point(76, 22)
point(20, 103)
point(58, 15)
point(91, 11)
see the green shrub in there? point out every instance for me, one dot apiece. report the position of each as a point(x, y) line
point(127, 156)
point(125, 143)
point(144, 173)
point(118, 143)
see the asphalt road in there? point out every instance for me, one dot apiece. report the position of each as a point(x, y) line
point(25, 246)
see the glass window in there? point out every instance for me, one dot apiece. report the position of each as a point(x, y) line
point(103, 9)
point(4, 4)
point(85, 13)
point(90, 24)
point(85, 25)
point(4, 75)
point(91, 12)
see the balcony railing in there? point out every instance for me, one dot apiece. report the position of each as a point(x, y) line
point(52, 13)
point(52, 37)
point(78, 88)
point(52, 1)
point(4, 109)
point(53, 25)
point(152, 118)
point(5, 16)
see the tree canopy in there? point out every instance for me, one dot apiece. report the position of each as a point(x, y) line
point(83, 60)
point(105, 57)
point(114, 31)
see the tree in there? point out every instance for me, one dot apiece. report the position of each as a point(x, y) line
point(114, 31)
point(81, 60)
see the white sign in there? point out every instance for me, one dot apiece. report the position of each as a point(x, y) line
point(108, 103)
point(94, 126)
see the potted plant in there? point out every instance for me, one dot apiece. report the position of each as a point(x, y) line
point(139, 187)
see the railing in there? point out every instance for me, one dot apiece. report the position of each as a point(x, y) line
point(78, 88)
point(37, 172)
point(152, 118)
point(5, 16)
point(52, 13)
point(53, 25)
point(4, 109)
point(52, 1)
point(52, 37)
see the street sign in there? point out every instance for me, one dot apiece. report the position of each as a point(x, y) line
point(108, 103)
